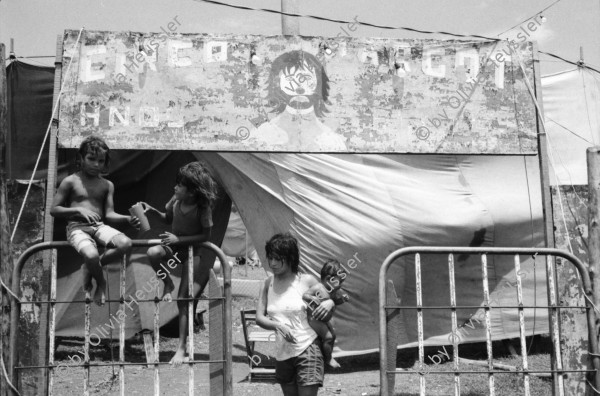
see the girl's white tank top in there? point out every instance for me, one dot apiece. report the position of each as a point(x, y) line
point(289, 308)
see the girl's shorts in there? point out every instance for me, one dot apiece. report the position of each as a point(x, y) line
point(305, 369)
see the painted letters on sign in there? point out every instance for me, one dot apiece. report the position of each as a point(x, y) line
point(171, 91)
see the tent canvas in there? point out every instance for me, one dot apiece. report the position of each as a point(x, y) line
point(362, 207)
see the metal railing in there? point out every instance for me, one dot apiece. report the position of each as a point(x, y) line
point(387, 373)
point(225, 362)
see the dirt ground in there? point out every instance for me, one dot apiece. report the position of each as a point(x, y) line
point(359, 375)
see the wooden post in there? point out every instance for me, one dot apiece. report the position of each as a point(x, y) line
point(593, 165)
point(6, 263)
point(49, 256)
point(546, 193)
point(290, 26)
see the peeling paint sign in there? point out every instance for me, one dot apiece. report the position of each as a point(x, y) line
point(297, 94)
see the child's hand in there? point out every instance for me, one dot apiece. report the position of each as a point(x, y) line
point(312, 301)
point(323, 310)
point(134, 222)
point(89, 215)
point(168, 238)
point(148, 208)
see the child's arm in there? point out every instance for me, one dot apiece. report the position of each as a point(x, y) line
point(163, 216)
point(59, 208)
point(109, 210)
point(167, 216)
point(169, 210)
point(315, 294)
point(326, 307)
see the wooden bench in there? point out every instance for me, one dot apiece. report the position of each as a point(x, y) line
point(252, 335)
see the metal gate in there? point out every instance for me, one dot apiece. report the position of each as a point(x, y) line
point(220, 306)
point(387, 311)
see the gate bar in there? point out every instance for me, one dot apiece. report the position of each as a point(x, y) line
point(488, 323)
point(522, 324)
point(156, 343)
point(455, 359)
point(122, 289)
point(422, 381)
point(190, 322)
point(585, 278)
point(227, 339)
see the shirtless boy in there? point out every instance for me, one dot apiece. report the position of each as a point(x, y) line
point(85, 198)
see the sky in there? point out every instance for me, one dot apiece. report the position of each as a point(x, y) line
point(35, 24)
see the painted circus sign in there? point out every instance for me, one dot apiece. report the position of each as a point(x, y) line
point(299, 94)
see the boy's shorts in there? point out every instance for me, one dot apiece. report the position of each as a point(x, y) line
point(81, 235)
point(305, 369)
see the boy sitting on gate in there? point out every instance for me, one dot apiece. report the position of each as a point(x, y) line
point(85, 199)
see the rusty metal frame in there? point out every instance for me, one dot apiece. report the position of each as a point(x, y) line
point(557, 373)
point(227, 339)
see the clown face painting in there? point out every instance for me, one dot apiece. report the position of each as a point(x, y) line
point(298, 90)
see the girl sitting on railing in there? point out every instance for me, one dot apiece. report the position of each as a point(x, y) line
point(190, 213)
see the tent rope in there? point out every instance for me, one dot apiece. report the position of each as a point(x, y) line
point(9, 290)
point(37, 162)
point(592, 386)
point(5, 374)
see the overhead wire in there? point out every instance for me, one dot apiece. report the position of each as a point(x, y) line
point(579, 64)
point(368, 24)
point(533, 16)
point(374, 25)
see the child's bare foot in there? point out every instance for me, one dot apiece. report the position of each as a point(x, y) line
point(333, 364)
point(167, 297)
point(180, 357)
point(99, 295)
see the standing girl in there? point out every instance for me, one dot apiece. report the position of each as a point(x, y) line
point(299, 368)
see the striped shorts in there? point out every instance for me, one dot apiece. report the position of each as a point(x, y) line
point(305, 369)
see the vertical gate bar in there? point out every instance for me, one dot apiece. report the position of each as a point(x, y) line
point(522, 324)
point(488, 323)
point(122, 326)
point(454, 324)
point(420, 323)
point(86, 346)
point(156, 343)
point(191, 318)
point(52, 326)
point(556, 377)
